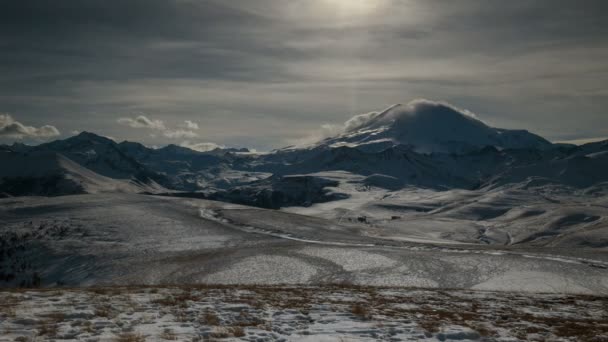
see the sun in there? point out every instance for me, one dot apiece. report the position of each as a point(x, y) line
point(355, 7)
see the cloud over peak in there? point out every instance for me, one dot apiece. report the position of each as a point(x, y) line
point(414, 108)
point(429, 111)
point(10, 128)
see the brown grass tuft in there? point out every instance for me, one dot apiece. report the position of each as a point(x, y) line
point(48, 328)
point(130, 337)
point(360, 311)
point(237, 331)
point(168, 334)
point(210, 318)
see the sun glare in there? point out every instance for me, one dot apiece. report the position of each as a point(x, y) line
point(355, 7)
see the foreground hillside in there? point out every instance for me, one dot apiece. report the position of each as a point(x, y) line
point(289, 313)
point(120, 239)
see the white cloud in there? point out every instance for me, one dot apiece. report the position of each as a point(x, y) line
point(419, 105)
point(358, 121)
point(190, 124)
point(13, 129)
point(201, 147)
point(179, 133)
point(186, 130)
point(142, 121)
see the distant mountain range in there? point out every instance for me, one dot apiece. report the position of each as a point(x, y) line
point(422, 144)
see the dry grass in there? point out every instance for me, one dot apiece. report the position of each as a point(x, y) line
point(107, 291)
point(168, 334)
point(225, 332)
point(105, 311)
point(431, 310)
point(55, 316)
point(49, 325)
point(165, 301)
point(186, 296)
point(210, 318)
point(582, 331)
point(360, 311)
point(182, 316)
point(47, 328)
point(431, 326)
point(88, 327)
point(130, 337)
point(247, 320)
point(220, 332)
point(8, 306)
point(8, 311)
point(181, 300)
point(483, 330)
point(238, 331)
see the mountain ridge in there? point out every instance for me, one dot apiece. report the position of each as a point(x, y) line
point(406, 144)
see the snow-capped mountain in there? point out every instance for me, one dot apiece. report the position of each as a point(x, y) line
point(422, 144)
point(427, 127)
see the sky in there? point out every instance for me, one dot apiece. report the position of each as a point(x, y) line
point(270, 73)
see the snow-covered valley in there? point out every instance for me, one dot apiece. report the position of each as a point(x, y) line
point(387, 207)
point(118, 239)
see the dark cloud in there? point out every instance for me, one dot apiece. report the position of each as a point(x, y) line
point(100, 40)
point(302, 61)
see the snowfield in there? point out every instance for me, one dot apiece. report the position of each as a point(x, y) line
point(303, 313)
point(122, 239)
point(547, 216)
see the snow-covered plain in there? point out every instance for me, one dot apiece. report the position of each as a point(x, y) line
point(302, 313)
point(118, 239)
point(548, 216)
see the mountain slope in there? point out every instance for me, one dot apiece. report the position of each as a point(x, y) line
point(579, 171)
point(190, 170)
point(51, 174)
point(102, 156)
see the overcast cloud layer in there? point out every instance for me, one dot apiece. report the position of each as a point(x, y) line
point(261, 73)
